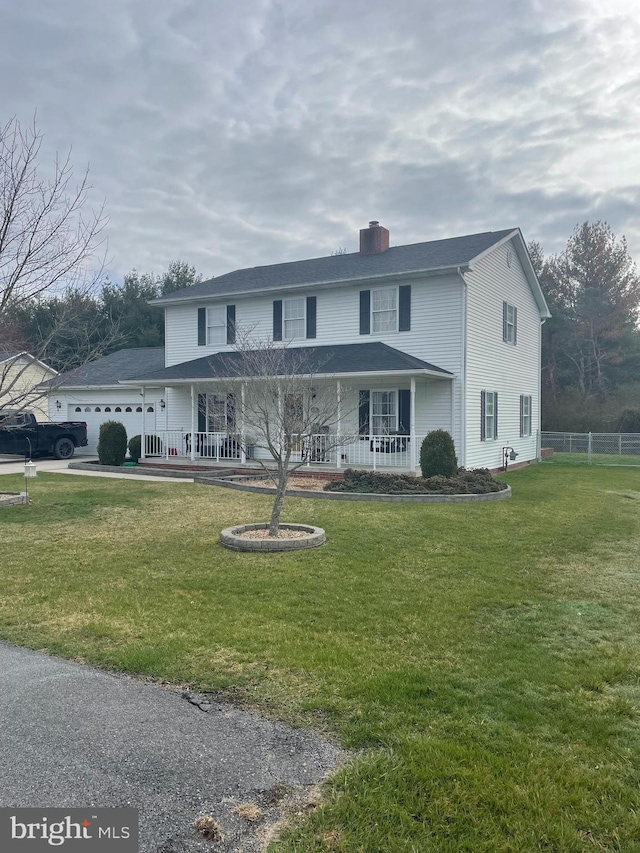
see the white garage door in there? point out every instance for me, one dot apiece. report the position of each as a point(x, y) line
point(128, 414)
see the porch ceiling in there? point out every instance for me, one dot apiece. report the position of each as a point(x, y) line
point(373, 358)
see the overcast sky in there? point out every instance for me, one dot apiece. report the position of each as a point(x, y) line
point(231, 133)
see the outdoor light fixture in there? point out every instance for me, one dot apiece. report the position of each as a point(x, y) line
point(162, 405)
point(29, 473)
point(509, 455)
point(58, 404)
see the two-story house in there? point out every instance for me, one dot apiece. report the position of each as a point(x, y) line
point(444, 334)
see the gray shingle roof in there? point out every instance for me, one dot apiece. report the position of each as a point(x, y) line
point(123, 364)
point(345, 358)
point(5, 355)
point(452, 252)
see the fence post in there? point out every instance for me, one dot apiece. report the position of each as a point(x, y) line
point(589, 452)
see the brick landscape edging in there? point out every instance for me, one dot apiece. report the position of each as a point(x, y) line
point(208, 480)
point(14, 499)
point(230, 538)
point(362, 496)
point(130, 469)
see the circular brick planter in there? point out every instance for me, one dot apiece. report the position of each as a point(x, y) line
point(231, 537)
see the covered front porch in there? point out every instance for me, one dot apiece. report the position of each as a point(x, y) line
point(317, 451)
point(372, 412)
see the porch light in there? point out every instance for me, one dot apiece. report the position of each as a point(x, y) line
point(162, 405)
point(58, 404)
point(508, 455)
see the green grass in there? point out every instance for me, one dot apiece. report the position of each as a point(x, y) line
point(484, 659)
point(614, 459)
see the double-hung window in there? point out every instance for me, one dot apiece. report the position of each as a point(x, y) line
point(509, 323)
point(220, 413)
point(217, 325)
point(384, 310)
point(489, 415)
point(384, 412)
point(294, 317)
point(525, 415)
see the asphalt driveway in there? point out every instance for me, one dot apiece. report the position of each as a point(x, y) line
point(73, 736)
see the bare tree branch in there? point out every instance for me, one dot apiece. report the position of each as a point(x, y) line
point(48, 244)
point(282, 407)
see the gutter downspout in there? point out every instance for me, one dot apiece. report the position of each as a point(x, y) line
point(463, 374)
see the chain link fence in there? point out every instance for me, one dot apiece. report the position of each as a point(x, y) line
point(591, 448)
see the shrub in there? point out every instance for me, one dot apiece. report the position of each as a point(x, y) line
point(629, 421)
point(152, 443)
point(438, 455)
point(135, 447)
point(112, 443)
point(476, 482)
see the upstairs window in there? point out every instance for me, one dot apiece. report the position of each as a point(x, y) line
point(293, 314)
point(384, 310)
point(509, 323)
point(216, 325)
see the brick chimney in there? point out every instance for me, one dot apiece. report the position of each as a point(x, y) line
point(374, 239)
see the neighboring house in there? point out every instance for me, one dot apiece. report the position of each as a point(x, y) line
point(443, 334)
point(20, 374)
point(93, 393)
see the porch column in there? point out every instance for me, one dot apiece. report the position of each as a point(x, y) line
point(143, 438)
point(412, 426)
point(243, 435)
point(339, 425)
point(193, 424)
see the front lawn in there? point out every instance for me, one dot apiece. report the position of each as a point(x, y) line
point(485, 658)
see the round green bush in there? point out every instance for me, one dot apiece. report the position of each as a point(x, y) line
point(135, 447)
point(153, 445)
point(112, 443)
point(438, 455)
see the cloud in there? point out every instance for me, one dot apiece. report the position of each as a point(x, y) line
point(238, 134)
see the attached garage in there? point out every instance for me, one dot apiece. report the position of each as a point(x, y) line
point(93, 394)
point(95, 414)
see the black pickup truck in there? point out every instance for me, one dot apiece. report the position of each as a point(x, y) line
point(21, 434)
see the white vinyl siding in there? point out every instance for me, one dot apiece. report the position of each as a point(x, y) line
point(294, 321)
point(490, 367)
point(217, 325)
point(435, 337)
point(384, 310)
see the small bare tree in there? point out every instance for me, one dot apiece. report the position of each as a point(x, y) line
point(283, 408)
point(48, 240)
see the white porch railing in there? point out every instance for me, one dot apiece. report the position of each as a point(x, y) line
point(368, 451)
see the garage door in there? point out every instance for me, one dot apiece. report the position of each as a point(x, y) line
point(128, 414)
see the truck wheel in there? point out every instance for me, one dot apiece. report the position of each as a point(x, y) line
point(64, 448)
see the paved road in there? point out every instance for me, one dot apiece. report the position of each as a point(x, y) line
point(11, 466)
point(72, 736)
